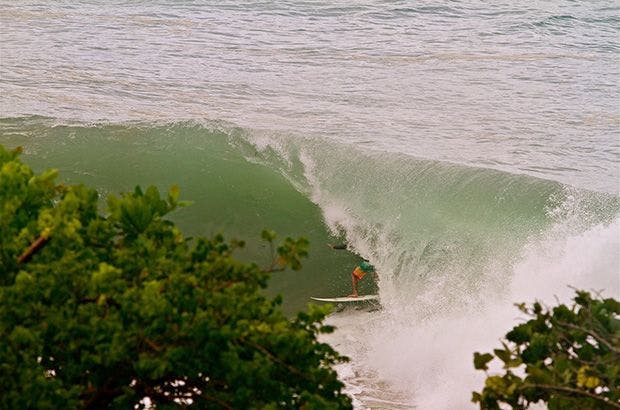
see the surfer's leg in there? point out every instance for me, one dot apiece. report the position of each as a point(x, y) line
point(354, 280)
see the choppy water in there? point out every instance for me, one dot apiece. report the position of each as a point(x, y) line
point(471, 151)
point(526, 87)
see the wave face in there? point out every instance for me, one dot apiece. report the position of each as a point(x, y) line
point(454, 246)
point(230, 194)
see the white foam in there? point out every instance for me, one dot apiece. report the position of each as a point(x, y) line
point(428, 357)
point(418, 350)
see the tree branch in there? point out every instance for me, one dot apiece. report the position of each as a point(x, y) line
point(573, 391)
point(273, 269)
point(216, 400)
point(591, 333)
point(152, 344)
point(97, 398)
point(34, 247)
point(274, 358)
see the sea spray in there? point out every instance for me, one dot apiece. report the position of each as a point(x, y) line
point(455, 247)
point(428, 354)
point(424, 358)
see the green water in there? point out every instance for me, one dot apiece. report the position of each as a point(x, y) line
point(229, 194)
point(447, 240)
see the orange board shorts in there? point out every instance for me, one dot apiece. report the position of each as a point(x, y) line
point(358, 273)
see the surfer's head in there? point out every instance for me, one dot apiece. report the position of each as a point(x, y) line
point(366, 267)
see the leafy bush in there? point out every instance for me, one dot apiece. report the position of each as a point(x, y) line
point(101, 310)
point(566, 357)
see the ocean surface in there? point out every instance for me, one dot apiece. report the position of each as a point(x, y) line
point(470, 150)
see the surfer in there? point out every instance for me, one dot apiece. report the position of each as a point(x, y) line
point(359, 272)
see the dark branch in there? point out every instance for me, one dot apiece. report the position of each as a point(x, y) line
point(274, 357)
point(574, 391)
point(34, 247)
point(591, 333)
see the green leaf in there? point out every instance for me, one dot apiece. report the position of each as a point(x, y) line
point(520, 334)
point(173, 194)
point(481, 360)
point(268, 235)
point(555, 344)
point(503, 354)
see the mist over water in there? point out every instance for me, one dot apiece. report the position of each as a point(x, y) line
point(470, 151)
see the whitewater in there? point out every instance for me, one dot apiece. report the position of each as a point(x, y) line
point(470, 151)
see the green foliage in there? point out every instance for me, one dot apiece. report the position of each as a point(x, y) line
point(566, 357)
point(101, 311)
point(289, 253)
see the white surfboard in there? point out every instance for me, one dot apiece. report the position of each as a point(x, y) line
point(347, 299)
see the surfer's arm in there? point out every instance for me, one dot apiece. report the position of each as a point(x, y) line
point(337, 246)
